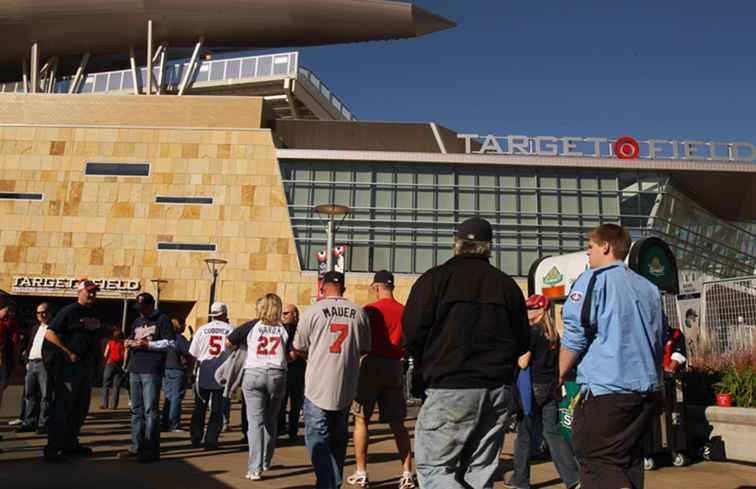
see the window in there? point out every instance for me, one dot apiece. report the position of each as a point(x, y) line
point(20, 196)
point(183, 200)
point(186, 246)
point(117, 169)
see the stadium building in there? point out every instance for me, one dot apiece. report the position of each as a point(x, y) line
point(137, 191)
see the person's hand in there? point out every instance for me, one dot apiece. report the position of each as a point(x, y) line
point(72, 357)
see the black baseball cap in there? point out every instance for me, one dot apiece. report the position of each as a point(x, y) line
point(383, 277)
point(475, 229)
point(333, 277)
point(144, 299)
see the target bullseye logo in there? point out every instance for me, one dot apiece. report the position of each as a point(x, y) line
point(626, 148)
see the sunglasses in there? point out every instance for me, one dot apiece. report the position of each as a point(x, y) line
point(41, 312)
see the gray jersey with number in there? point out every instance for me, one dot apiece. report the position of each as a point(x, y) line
point(334, 332)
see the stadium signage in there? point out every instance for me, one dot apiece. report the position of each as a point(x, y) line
point(625, 148)
point(67, 285)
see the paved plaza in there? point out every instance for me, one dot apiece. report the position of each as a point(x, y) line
point(107, 432)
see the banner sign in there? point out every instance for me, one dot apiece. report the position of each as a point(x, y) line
point(66, 286)
point(624, 148)
point(338, 264)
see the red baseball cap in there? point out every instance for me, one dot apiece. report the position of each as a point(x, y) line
point(538, 301)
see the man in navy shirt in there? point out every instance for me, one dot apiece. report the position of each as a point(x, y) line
point(613, 332)
point(148, 343)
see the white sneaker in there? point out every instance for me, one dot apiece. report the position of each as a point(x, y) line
point(253, 476)
point(359, 479)
point(408, 481)
point(16, 422)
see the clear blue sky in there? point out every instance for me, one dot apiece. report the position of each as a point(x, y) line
point(652, 69)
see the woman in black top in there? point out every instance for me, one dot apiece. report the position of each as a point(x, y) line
point(543, 360)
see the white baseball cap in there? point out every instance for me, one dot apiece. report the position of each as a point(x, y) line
point(218, 309)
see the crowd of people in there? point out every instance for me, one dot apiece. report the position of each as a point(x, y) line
point(478, 347)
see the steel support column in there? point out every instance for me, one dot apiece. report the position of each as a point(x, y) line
point(34, 67)
point(134, 77)
point(74, 87)
point(148, 82)
point(186, 80)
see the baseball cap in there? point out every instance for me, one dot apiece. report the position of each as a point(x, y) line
point(383, 277)
point(333, 277)
point(88, 285)
point(538, 301)
point(475, 229)
point(218, 309)
point(144, 299)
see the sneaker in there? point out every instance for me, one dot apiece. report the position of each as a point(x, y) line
point(408, 481)
point(359, 479)
point(253, 476)
point(15, 422)
point(508, 485)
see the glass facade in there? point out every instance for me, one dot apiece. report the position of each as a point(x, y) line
point(403, 215)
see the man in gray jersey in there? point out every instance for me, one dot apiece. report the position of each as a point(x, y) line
point(332, 335)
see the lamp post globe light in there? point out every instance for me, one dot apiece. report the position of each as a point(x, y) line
point(214, 265)
point(331, 210)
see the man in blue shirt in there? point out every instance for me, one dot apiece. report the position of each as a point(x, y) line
point(613, 332)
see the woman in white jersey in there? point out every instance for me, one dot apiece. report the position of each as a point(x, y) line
point(264, 384)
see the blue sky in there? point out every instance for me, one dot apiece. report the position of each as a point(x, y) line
point(652, 69)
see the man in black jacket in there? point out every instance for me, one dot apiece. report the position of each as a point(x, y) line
point(465, 324)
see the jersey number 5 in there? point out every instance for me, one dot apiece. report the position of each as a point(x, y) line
point(216, 344)
point(343, 331)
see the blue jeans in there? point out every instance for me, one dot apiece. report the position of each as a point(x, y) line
point(174, 394)
point(458, 437)
point(204, 398)
point(145, 414)
point(37, 395)
point(545, 416)
point(326, 438)
point(264, 390)
point(112, 378)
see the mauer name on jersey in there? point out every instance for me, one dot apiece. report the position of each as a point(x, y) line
point(345, 312)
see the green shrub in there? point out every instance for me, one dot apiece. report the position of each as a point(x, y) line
point(734, 374)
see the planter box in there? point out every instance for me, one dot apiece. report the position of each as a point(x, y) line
point(736, 426)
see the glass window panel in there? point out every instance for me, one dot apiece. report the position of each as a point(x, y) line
point(343, 176)
point(487, 180)
point(609, 205)
point(101, 82)
point(508, 181)
point(359, 254)
point(466, 180)
point(248, 68)
point(526, 259)
point(508, 202)
point(466, 201)
point(548, 181)
point(342, 195)
point(608, 183)
point(265, 66)
point(404, 177)
point(527, 181)
point(362, 197)
point(649, 182)
point(115, 81)
point(321, 195)
point(590, 204)
point(363, 175)
point(217, 69)
point(589, 183)
point(233, 68)
point(628, 181)
point(549, 203)
point(487, 202)
point(381, 257)
point(445, 179)
point(404, 199)
point(508, 262)
point(384, 177)
point(424, 259)
point(446, 199)
point(384, 198)
point(301, 195)
point(425, 178)
point(568, 182)
point(528, 203)
point(569, 204)
point(443, 253)
point(402, 259)
point(425, 199)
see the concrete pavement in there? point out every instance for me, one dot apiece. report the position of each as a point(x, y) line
point(181, 466)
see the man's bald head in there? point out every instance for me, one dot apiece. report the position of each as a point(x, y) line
point(290, 314)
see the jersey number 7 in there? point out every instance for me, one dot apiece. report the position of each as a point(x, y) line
point(343, 331)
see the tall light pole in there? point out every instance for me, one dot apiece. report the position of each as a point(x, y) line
point(331, 210)
point(157, 282)
point(214, 265)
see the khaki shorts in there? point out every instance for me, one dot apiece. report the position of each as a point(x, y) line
point(381, 381)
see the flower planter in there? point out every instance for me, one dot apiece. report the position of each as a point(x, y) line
point(735, 425)
point(724, 399)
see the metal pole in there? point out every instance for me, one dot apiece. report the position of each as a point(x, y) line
point(25, 75)
point(212, 290)
point(329, 244)
point(157, 298)
point(34, 67)
point(74, 87)
point(148, 84)
point(161, 74)
point(133, 70)
point(190, 69)
point(125, 308)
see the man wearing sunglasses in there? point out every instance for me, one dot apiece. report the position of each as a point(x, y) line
point(36, 386)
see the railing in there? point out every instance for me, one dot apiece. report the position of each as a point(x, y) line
point(247, 68)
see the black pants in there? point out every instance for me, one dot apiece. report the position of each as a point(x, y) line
point(70, 405)
point(203, 397)
point(295, 388)
point(608, 439)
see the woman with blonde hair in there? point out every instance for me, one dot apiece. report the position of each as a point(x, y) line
point(542, 359)
point(264, 384)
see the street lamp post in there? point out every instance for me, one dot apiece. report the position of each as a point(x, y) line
point(157, 282)
point(214, 265)
point(331, 210)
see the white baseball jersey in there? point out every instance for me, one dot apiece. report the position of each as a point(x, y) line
point(209, 348)
point(266, 346)
point(334, 332)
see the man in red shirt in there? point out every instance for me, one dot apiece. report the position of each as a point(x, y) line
point(381, 381)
